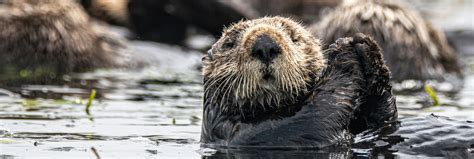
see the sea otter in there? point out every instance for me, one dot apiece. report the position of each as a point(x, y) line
point(413, 48)
point(268, 83)
point(54, 37)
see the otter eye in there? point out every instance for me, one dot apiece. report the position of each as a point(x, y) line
point(294, 40)
point(228, 45)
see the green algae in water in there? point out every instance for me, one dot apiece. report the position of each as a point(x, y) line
point(7, 141)
point(11, 72)
point(432, 93)
point(38, 104)
point(89, 102)
point(30, 103)
point(62, 102)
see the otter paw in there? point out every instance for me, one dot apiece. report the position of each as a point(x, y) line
point(371, 59)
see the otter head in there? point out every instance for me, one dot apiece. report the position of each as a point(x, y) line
point(260, 64)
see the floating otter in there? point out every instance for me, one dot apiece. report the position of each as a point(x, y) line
point(413, 48)
point(267, 82)
point(54, 37)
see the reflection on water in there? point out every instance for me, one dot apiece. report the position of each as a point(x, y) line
point(156, 113)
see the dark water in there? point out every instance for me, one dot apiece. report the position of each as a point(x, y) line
point(156, 112)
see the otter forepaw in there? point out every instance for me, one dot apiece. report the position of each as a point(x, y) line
point(374, 68)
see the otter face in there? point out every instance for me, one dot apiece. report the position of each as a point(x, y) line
point(266, 62)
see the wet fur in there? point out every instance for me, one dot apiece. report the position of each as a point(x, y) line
point(56, 35)
point(346, 91)
point(235, 70)
point(413, 48)
point(308, 11)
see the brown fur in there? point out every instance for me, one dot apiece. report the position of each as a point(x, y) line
point(231, 67)
point(57, 35)
point(112, 11)
point(307, 10)
point(312, 101)
point(412, 47)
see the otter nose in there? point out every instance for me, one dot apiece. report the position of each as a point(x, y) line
point(265, 48)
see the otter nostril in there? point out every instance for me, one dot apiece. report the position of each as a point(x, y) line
point(265, 48)
point(259, 52)
point(273, 51)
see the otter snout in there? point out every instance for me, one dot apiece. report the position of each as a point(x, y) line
point(265, 49)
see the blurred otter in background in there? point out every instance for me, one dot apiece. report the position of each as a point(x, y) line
point(50, 38)
point(167, 21)
point(413, 48)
